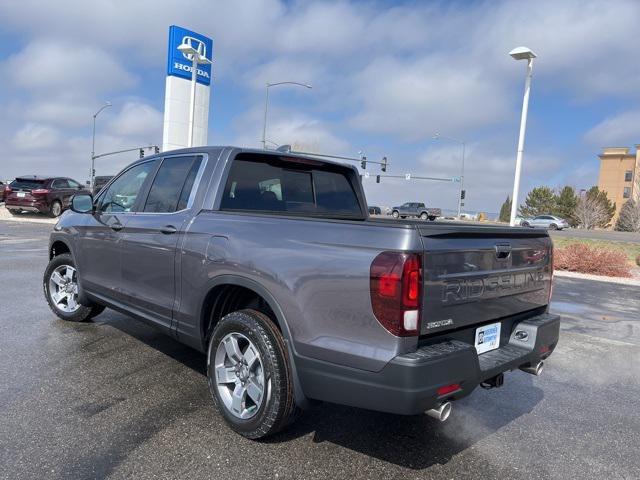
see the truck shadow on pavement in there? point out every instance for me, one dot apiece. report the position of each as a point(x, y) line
point(415, 442)
point(418, 442)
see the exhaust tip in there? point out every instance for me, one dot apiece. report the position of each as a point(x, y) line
point(534, 369)
point(440, 413)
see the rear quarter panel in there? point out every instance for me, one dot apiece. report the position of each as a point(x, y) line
point(316, 270)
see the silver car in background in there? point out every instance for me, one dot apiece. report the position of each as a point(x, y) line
point(545, 221)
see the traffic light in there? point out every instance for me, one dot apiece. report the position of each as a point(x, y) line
point(384, 164)
point(142, 153)
point(363, 163)
point(377, 178)
point(463, 193)
point(156, 149)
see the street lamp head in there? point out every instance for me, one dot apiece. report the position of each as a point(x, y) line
point(522, 53)
point(187, 49)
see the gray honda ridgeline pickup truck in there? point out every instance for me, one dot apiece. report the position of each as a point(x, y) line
point(269, 264)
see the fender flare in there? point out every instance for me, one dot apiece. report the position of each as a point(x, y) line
point(229, 279)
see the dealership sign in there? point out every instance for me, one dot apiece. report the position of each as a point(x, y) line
point(180, 64)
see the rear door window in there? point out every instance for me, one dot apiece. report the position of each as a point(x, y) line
point(171, 188)
point(60, 183)
point(275, 185)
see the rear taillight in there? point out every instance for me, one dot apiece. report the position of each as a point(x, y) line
point(396, 292)
point(40, 191)
point(7, 190)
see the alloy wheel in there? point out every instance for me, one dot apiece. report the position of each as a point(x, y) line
point(63, 288)
point(239, 375)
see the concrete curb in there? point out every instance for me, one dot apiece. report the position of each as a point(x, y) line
point(598, 278)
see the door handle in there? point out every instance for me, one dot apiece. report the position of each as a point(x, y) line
point(168, 229)
point(116, 227)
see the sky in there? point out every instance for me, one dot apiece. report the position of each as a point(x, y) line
point(387, 76)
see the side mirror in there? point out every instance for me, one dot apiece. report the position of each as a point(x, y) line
point(82, 203)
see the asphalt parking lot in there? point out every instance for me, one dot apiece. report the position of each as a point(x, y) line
point(114, 398)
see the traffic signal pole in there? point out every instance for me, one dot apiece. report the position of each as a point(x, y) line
point(156, 149)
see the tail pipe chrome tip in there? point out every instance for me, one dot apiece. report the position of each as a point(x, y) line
point(440, 413)
point(534, 369)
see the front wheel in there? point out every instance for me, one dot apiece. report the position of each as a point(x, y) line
point(60, 285)
point(424, 216)
point(524, 224)
point(249, 375)
point(395, 214)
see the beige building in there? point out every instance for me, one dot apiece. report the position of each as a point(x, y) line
point(619, 175)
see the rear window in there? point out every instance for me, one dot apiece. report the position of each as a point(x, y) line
point(271, 184)
point(26, 184)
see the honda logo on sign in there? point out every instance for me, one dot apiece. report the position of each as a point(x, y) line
point(181, 64)
point(196, 44)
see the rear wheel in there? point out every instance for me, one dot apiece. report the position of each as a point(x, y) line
point(525, 224)
point(60, 285)
point(14, 212)
point(249, 375)
point(432, 218)
point(424, 216)
point(553, 226)
point(56, 209)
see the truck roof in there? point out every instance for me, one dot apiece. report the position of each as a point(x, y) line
point(216, 149)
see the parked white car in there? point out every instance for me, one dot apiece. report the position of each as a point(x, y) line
point(545, 221)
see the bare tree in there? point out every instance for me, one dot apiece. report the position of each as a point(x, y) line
point(590, 212)
point(629, 218)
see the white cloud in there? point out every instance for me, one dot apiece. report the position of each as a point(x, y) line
point(618, 130)
point(53, 67)
point(414, 99)
point(34, 137)
point(137, 119)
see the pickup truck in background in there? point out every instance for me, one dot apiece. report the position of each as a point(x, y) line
point(270, 265)
point(416, 209)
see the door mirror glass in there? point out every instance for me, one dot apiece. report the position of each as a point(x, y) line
point(82, 203)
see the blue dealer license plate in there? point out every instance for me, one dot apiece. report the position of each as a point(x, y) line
point(487, 338)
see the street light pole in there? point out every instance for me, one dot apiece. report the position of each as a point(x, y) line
point(92, 174)
point(521, 53)
point(192, 102)
point(464, 148)
point(266, 106)
point(196, 59)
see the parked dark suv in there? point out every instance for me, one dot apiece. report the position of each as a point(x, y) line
point(49, 195)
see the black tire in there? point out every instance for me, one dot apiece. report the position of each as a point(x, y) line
point(432, 218)
point(424, 216)
point(14, 212)
point(553, 226)
point(395, 214)
point(278, 406)
point(55, 210)
point(524, 224)
point(83, 312)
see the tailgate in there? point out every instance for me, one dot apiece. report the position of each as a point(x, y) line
point(477, 274)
